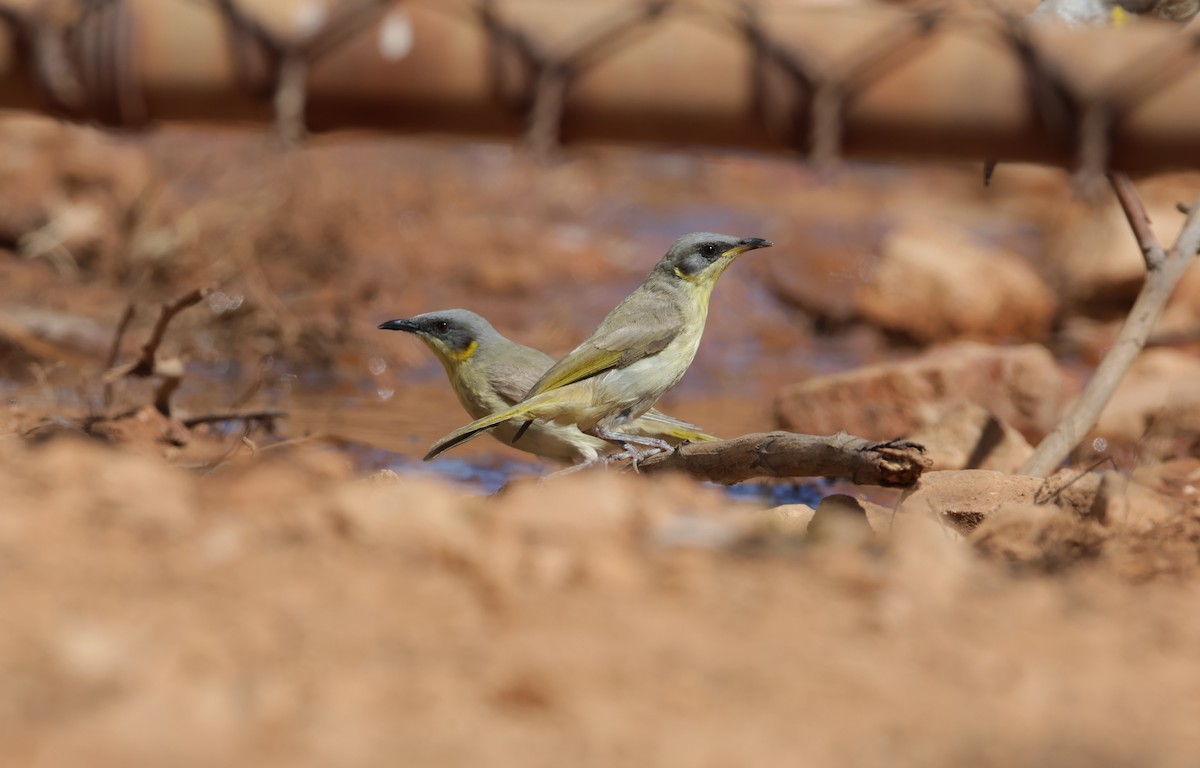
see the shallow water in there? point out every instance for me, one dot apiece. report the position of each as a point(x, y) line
point(488, 475)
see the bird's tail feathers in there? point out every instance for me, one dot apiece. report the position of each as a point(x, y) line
point(473, 430)
point(659, 424)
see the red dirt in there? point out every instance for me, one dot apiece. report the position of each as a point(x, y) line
point(228, 602)
point(278, 611)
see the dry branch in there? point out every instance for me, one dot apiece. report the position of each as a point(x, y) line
point(1139, 220)
point(171, 370)
point(1163, 270)
point(145, 364)
point(122, 326)
point(892, 464)
point(115, 349)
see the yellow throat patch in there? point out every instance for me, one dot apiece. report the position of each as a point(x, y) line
point(463, 354)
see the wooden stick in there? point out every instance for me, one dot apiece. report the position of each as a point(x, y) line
point(1139, 220)
point(892, 464)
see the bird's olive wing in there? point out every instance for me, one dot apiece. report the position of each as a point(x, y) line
point(512, 381)
point(584, 362)
point(618, 342)
point(512, 369)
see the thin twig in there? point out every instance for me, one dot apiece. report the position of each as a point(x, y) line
point(1161, 277)
point(145, 364)
point(122, 327)
point(787, 454)
point(115, 350)
point(171, 371)
point(1139, 220)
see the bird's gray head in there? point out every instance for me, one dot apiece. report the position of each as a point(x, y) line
point(451, 333)
point(701, 257)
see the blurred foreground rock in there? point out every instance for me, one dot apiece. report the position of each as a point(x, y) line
point(1022, 386)
point(280, 611)
point(842, 519)
point(1143, 523)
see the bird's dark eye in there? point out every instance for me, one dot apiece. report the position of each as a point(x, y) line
point(709, 250)
point(442, 326)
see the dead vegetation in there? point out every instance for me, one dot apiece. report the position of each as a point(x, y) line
point(167, 372)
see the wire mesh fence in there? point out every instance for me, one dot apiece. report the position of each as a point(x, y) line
point(953, 80)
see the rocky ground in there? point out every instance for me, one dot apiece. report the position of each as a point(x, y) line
point(301, 590)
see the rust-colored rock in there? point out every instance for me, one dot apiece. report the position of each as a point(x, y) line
point(1156, 408)
point(819, 281)
point(1095, 264)
point(1150, 496)
point(934, 283)
point(1185, 300)
point(1038, 536)
point(1022, 386)
point(968, 436)
point(70, 190)
point(28, 176)
point(965, 498)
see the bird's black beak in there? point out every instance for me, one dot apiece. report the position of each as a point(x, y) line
point(403, 324)
point(747, 244)
point(750, 243)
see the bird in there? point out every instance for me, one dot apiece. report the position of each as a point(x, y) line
point(1084, 13)
point(490, 372)
point(637, 353)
